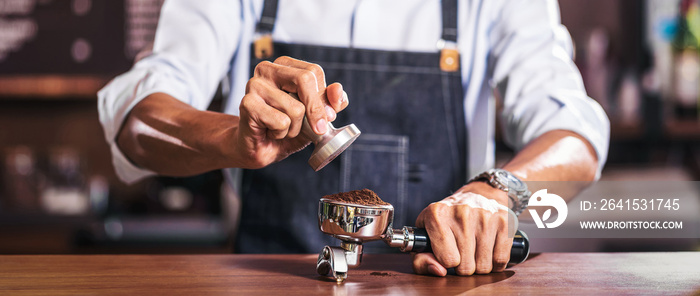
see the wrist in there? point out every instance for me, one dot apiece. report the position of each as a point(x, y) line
point(228, 145)
point(515, 189)
point(485, 189)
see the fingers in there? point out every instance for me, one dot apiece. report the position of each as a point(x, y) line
point(280, 101)
point(467, 240)
point(503, 244)
point(271, 119)
point(264, 118)
point(484, 248)
point(337, 97)
point(470, 240)
point(306, 80)
point(442, 237)
point(318, 74)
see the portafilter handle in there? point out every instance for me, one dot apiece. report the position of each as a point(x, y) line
point(413, 239)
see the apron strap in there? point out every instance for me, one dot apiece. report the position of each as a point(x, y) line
point(449, 54)
point(262, 45)
point(449, 20)
point(268, 18)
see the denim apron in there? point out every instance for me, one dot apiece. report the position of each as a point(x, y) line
point(412, 150)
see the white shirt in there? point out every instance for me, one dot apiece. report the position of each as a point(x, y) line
point(517, 47)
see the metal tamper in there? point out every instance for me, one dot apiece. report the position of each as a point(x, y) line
point(354, 224)
point(329, 145)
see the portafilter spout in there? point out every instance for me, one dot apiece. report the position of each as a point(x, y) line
point(329, 145)
point(354, 224)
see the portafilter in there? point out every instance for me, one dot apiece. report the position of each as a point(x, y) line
point(354, 224)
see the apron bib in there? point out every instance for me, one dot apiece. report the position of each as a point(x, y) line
point(412, 150)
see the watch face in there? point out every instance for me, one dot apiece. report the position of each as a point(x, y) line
point(511, 181)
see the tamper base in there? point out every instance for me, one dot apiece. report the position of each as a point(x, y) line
point(333, 143)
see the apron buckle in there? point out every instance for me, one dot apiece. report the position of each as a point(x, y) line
point(449, 59)
point(263, 47)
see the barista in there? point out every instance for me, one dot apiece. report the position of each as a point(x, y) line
point(424, 110)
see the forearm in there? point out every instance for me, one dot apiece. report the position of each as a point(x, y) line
point(172, 138)
point(457, 229)
point(561, 161)
point(556, 156)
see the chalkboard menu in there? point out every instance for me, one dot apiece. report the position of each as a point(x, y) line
point(81, 37)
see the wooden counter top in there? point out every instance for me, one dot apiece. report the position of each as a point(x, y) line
point(52, 86)
point(284, 275)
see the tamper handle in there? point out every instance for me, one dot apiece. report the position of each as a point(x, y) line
point(518, 252)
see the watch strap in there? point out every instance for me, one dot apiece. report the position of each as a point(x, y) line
point(519, 198)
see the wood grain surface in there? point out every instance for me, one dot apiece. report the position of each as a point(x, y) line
point(549, 273)
point(52, 86)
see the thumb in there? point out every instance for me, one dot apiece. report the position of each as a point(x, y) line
point(426, 263)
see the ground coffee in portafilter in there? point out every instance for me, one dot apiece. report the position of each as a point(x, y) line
point(363, 197)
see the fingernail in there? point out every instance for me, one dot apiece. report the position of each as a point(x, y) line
point(345, 97)
point(434, 270)
point(330, 112)
point(321, 126)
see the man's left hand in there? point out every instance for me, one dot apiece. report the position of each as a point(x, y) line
point(469, 231)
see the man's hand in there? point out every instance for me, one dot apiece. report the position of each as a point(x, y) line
point(161, 128)
point(468, 231)
point(271, 119)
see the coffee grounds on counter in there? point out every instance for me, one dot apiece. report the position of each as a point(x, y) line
point(379, 273)
point(364, 197)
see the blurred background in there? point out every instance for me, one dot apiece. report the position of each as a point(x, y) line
point(58, 193)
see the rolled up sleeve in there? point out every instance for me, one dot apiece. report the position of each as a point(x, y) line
point(540, 87)
point(192, 51)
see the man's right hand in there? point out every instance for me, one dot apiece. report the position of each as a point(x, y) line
point(170, 137)
point(271, 119)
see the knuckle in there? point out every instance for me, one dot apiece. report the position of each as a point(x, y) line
point(253, 83)
point(466, 268)
point(297, 109)
point(462, 218)
point(502, 216)
point(282, 59)
point(483, 215)
point(500, 259)
point(436, 208)
point(483, 268)
point(247, 102)
point(450, 261)
point(318, 109)
point(283, 123)
point(260, 68)
point(278, 121)
point(306, 77)
point(316, 69)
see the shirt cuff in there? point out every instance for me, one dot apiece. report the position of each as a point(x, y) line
point(588, 121)
point(119, 97)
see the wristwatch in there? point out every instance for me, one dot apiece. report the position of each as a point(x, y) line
point(515, 188)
